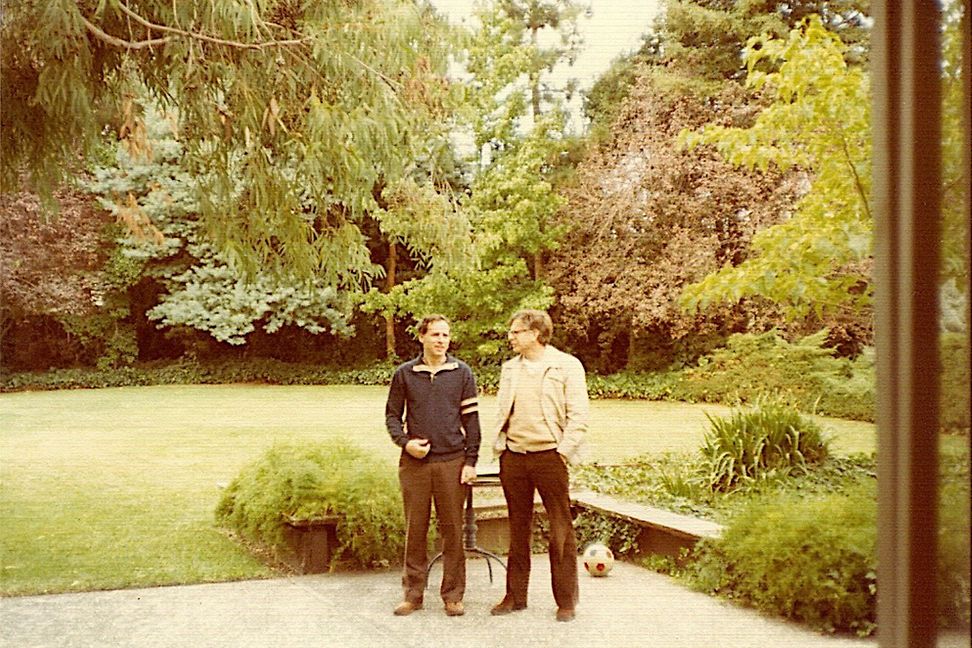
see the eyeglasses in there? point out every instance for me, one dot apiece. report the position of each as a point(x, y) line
point(518, 331)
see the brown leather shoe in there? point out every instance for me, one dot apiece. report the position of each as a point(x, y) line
point(506, 606)
point(454, 608)
point(565, 614)
point(407, 607)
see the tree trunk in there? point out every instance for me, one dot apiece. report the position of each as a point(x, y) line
point(389, 317)
point(534, 80)
point(535, 105)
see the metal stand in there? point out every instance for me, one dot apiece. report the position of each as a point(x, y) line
point(469, 538)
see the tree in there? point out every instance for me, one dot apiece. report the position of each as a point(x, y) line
point(151, 192)
point(955, 181)
point(510, 65)
point(645, 217)
point(51, 276)
point(705, 39)
point(819, 121)
point(291, 113)
point(519, 118)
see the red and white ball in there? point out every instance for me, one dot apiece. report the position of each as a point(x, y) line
point(598, 559)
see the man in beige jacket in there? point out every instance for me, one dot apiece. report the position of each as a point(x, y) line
point(541, 422)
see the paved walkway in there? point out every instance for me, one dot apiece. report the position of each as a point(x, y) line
point(632, 607)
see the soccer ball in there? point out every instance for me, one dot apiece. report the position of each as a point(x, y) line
point(598, 559)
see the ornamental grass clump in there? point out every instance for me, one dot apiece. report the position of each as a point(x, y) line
point(751, 447)
point(309, 482)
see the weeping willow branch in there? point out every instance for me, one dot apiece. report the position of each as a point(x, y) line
point(176, 32)
point(98, 33)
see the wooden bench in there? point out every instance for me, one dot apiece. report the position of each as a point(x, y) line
point(662, 532)
point(312, 541)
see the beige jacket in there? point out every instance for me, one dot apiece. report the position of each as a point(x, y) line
point(563, 401)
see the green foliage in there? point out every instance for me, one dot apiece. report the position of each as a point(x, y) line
point(955, 181)
point(676, 481)
point(803, 373)
point(308, 482)
point(811, 555)
point(807, 559)
point(150, 190)
point(620, 536)
point(634, 385)
point(513, 199)
point(428, 223)
point(511, 68)
point(705, 37)
point(190, 372)
point(510, 207)
point(953, 578)
point(764, 444)
point(818, 121)
point(109, 331)
point(603, 101)
point(291, 119)
point(477, 303)
point(668, 480)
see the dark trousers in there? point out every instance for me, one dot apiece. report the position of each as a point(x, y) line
point(422, 483)
point(545, 473)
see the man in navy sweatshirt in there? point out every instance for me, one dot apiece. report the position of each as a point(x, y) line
point(432, 414)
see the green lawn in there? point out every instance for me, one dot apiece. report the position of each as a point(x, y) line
point(116, 487)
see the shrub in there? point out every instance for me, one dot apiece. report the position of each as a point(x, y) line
point(308, 482)
point(771, 441)
point(810, 560)
point(805, 374)
point(812, 557)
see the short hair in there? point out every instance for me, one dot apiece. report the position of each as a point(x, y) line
point(427, 321)
point(537, 320)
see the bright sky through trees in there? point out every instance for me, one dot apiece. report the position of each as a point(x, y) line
point(611, 28)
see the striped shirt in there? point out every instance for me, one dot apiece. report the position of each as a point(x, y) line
point(440, 404)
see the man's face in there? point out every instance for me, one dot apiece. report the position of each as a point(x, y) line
point(520, 336)
point(435, 340)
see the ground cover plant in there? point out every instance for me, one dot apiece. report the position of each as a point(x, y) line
point(808, 559)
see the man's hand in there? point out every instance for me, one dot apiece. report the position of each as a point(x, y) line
point(468, 475)
point(418, 448)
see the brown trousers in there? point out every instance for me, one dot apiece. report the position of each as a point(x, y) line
point(422, 483)
point(545, 473)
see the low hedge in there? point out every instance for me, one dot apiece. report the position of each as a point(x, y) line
point(308, 482)
point(802, 546)
point(804, 373)
point(188, 372)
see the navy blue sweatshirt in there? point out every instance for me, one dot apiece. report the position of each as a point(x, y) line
point(441, 405)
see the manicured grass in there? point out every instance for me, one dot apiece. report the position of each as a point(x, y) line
point(103, 489)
